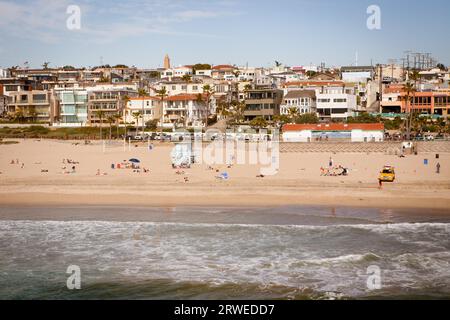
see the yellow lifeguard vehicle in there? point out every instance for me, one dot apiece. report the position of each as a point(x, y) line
point(387, 174)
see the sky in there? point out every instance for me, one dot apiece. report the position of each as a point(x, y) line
point(241, 32)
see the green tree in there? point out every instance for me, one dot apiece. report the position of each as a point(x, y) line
point(409, 89)
point(110, 119)
point(152, 125)
point(162, 94)
point(142, 93)
point(293, 113)
point(258, 122)
point(307, 118)
point(100, 115)
point(208, 91)
point(137, 116)
point(281, 120)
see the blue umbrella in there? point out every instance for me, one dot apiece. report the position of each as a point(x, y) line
point(135, 160)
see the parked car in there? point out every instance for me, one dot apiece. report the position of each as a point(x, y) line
point(387, 174)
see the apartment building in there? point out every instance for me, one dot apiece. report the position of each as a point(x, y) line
point(34, 105)
point(262, 103)
point(302, 100)
point(429, 103)
point(106, 102)
point(71, 106)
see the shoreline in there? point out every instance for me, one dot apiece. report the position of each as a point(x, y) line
point(236, 198)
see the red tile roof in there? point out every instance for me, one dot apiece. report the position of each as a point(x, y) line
point(223, 66)
point(335, 127)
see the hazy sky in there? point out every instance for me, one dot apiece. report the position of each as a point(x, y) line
point(257, 32)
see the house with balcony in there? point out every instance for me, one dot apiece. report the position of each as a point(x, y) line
point(302, 100)
point(263, 103)
point(107, 102)
point(184, 109)
point(150, 107)
point(34, 105)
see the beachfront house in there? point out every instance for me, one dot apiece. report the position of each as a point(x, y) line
point(152, 107)
point(106, 103)
point(263, 103)
point(72, 107)
point(184, 110)
point(304, 101)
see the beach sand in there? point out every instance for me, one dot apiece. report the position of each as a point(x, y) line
point(298, 181)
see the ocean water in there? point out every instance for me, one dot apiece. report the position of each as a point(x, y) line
point(223, 253)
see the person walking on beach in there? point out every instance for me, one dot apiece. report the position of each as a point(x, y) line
point(380, 184)
point(330, 163)
point(438, 168)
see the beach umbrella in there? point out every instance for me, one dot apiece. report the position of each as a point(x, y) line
point(135, 160)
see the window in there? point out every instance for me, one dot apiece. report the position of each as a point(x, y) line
point(340, 100)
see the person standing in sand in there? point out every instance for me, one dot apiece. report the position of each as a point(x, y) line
point(331, 162)
point(438, 168)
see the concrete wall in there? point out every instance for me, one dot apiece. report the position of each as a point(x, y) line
point(367, 136)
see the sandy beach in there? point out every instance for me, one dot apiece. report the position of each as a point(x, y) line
point(41, 180)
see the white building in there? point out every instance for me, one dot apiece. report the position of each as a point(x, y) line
point(150, 105)
point(335, 105)
point(178, 87)
point(360, 132)
point(72, 104)
point(303, 100)
point(357, 74)
point(204, 73)
point(183, 109)
point(177, 72)
point(4, 73)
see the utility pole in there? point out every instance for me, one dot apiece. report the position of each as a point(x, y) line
point(380, 88)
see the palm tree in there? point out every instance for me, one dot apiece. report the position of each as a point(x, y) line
point(125, 100)
point(142, 93)
point(137, 116)
point(293, 113)
point(100, 114)
point(223, 109)
point(238, 109)
point(409, 88)
point(162, 93)
point(117, 118)
point(45, 65)
point(208, 92)
point(111, 119)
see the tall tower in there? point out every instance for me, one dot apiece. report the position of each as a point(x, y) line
point(166, 62)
